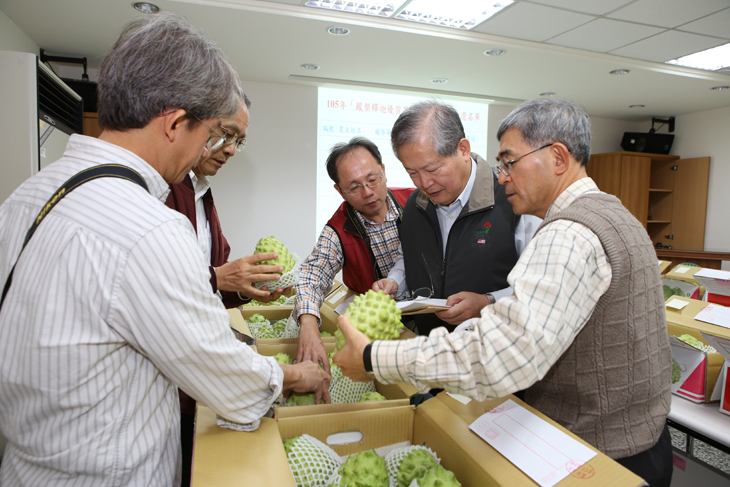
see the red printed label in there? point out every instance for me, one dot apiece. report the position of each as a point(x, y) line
point(679, 462)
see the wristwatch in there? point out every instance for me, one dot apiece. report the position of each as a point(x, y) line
point(367, 359)
point(491, 298)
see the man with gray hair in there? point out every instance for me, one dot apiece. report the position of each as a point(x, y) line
point(458, 220)
point(584, 333)
point(107, 306)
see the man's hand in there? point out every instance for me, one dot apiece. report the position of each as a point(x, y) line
point(310, 342)
point(349, 358)
point(388, 286)
point(240, 274)
point(464, 305)
point(307, 377)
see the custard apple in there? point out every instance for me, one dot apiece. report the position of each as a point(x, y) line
point(278, 302)
point(270, 244)
point(371, 396)
point(279, 327)
point(256, 318)
point(676, 372)
point(283, 358)
point(438, 476)
point(690, 340)
point(375, 314)
point(325, 334)
point(301, 399)
point(364, 469)
point(414, 466)
point(265, 331)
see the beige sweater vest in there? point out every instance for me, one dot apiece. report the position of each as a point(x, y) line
point(611, 387)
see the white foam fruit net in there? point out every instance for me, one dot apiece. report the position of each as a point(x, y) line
point(291, 330)
point(287, 279)
point(393, 459)
point(312, 462)
point(344, 390)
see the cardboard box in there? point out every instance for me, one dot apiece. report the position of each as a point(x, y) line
point(701, 369)
point(663, 266)
point(688, 289)
point(224, 457)
point(686, 273)
point(722, 345)
point(392, 392)
point(717, 284)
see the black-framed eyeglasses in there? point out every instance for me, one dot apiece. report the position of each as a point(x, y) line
point(421, 292)
point(372, 182)
point(505, 167)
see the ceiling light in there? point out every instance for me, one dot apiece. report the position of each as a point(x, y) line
point(146, 8)
point(460, 14)
point(310, 67)
point(338, 31)
point(637, 106)
point(439, 81)
point(547, 93)
point(620, 71)
point(709, 59)
point(494, 52)
point(720, 88)
point(381, 8)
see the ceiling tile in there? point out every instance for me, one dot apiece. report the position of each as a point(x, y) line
point(597, 7)
point(717, 24)
point(668, 45)
point(668, 13)
point(603, 35)
point(532, 22)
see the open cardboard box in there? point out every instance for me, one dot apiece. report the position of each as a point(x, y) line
point(717, 284)
point(688, 289)
point(700, 369)
point(226, 458)
point(722, 345)
point(663, 266)
point(685, 273)
point(394, 393)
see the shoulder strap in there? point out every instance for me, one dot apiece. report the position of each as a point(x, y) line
point(101, 171)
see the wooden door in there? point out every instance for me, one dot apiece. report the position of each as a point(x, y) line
point(634, 191)
point(690, 203)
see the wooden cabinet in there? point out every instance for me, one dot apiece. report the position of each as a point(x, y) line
point(668, 195)
point(91, 124)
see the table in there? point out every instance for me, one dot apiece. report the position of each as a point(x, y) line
point(703, 421)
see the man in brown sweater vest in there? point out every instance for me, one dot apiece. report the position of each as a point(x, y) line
point(584, 333)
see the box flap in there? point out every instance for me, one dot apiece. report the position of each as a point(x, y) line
point(300, 411)
point(219, 452)
point(715, 281)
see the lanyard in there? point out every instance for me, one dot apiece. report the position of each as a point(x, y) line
point(101, 171)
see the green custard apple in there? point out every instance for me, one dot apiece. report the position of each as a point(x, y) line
point(270, 244)
point(676, 372)
point(364, 469)
point(371, 396)
point(375, 314)
point(279, 326)
point(288, 444)
point(414, 466)
point(265, 331)
point(278, 302)
point(301, 399)
point(678, 292)
point(668, 293)
point(283, 358)
point(690, 340)
point(325, 334)
point(438, 476)
point(256, 318)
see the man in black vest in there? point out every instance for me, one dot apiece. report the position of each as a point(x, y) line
point(460, 236)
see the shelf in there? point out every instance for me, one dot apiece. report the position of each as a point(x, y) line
point(659, 221)
point(660, 190)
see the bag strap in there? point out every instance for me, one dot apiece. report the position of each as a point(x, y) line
point(101, 171)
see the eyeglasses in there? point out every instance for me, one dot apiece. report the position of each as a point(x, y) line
point(213, 143)
point(421, 292)
point(505, 167)
point(231, 137)
point(371, 183)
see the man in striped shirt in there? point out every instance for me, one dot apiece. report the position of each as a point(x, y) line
point(110, 307)
point(584, 333)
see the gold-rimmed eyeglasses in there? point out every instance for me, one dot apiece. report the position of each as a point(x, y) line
point(372, 182)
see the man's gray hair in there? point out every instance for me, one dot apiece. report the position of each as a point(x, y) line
point(163, 62)
point(428, 120)
point(546, 120)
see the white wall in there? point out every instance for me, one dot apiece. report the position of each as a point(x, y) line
point(269, 187)
point(14, 39)
point(703, 134)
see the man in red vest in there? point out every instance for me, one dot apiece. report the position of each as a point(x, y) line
point(361, 238)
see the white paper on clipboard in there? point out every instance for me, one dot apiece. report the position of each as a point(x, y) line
point(539, 449)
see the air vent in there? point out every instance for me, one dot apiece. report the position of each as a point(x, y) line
point(59, 105)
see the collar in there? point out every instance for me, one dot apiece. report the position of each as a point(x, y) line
point(578, 188)
point(201, 184)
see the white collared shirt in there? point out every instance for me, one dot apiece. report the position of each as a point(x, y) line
point(201, 185)
point(109, 312)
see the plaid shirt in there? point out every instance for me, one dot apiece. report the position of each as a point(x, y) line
point(326, 260)
point(557, 282)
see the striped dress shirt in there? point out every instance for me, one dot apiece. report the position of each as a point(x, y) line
point(557, 282)
point(110, 309)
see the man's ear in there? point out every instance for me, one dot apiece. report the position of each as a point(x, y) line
point(561, 156)
point(174, 122)
point(464, 149)
point(339, 191)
